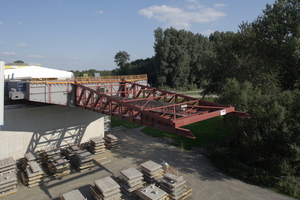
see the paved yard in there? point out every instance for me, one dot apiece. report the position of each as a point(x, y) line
point(207, 182)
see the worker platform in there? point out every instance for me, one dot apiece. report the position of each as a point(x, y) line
point(125, 97)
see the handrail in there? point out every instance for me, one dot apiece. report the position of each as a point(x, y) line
point(129, 78)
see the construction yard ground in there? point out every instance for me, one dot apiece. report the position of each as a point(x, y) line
point(207, 182)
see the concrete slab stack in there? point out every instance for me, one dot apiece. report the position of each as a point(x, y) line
point(106, 189)
point(34, 174)
point(97, 145)
point(58, 166)
point(72, 195)
point(131, 181)
point(47, 153)
point(152, 192)
point(8, 177)
point(152, 171)
point(175, 186)
point(83, 160)
point(69, 151)
point(32, 156)
point(111, 141)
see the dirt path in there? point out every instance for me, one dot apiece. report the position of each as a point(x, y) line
point(207, 182)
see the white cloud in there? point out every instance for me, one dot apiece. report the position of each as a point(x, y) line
point(19, 22)
point(35, 56)
point(73, 58)
point(65, 41)
point(99, 12)
point(1, 42)
point(179, 18)
point(21, 45)
point(219, 5)
point(207, 32)
point(1, 22)
point(8, 53)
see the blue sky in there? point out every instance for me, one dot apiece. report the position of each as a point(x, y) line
point(86, 34)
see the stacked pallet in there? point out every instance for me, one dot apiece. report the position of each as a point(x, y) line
point(73, 195)
point(152, 192)
point(69, 151)
point(34, 174)
point(28, 157)
point(111, 141)
point(31, 156)
point(106, 189)
point(58, 166)
point(48, 153)
point(175, 186)
point(83, 160)
point(97, 145)
point(152, 171)
point(8, 177)
point(131, 181)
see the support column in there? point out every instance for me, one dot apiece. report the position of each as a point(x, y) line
point(1, 93)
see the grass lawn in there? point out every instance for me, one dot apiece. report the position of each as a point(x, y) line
point(120, 122)
point(206, 132)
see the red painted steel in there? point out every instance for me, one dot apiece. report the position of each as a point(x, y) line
point(150, 106)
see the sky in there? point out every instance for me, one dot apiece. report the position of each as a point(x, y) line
point(87, 34)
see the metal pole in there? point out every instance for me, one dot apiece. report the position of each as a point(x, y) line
point(1, 93)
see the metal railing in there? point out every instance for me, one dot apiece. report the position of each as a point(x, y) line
point(129, 78)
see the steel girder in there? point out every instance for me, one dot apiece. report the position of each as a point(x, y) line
point(150, 106)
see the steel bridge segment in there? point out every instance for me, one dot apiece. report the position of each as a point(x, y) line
point(150, 106)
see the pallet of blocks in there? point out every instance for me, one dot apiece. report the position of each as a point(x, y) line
point(106, 189)
point(72, 195)
point(34, 174)
point(111, 141)
point(97, 145)
point(131, 181)
point(58, 166)
point(31, 156)
point(175, 186)
point(69, 151)
point(83, 160)
point(8, 177)
point(152, 171)
point(152, 192)
point(28, 157)
point(47, 153)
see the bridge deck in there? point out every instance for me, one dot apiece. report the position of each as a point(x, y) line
point(150, 106)
point(125, 97)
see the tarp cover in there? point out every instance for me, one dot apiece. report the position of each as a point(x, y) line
point(36, 72)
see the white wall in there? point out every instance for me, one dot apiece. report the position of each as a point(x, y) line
point(35, 128)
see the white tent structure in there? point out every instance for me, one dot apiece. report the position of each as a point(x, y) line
point(34, 72)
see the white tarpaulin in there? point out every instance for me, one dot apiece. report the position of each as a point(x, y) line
point(36, 72)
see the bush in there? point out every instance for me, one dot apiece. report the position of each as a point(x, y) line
point(220, 156)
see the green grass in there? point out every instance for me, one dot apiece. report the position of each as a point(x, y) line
point(211, 99)
point(120, 122)
point(206, 132)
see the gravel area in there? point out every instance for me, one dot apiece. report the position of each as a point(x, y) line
point(206, 181)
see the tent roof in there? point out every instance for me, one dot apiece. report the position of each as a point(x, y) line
point(36, 72)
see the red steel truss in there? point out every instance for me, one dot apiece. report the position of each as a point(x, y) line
point(149, 106)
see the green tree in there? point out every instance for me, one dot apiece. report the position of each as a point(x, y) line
point(257, 71)
point(19, 62)
point(121, 58)
point(179, 57)
point(269, 140)
point(279, 31)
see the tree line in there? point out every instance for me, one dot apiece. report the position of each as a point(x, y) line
point(256, 69)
